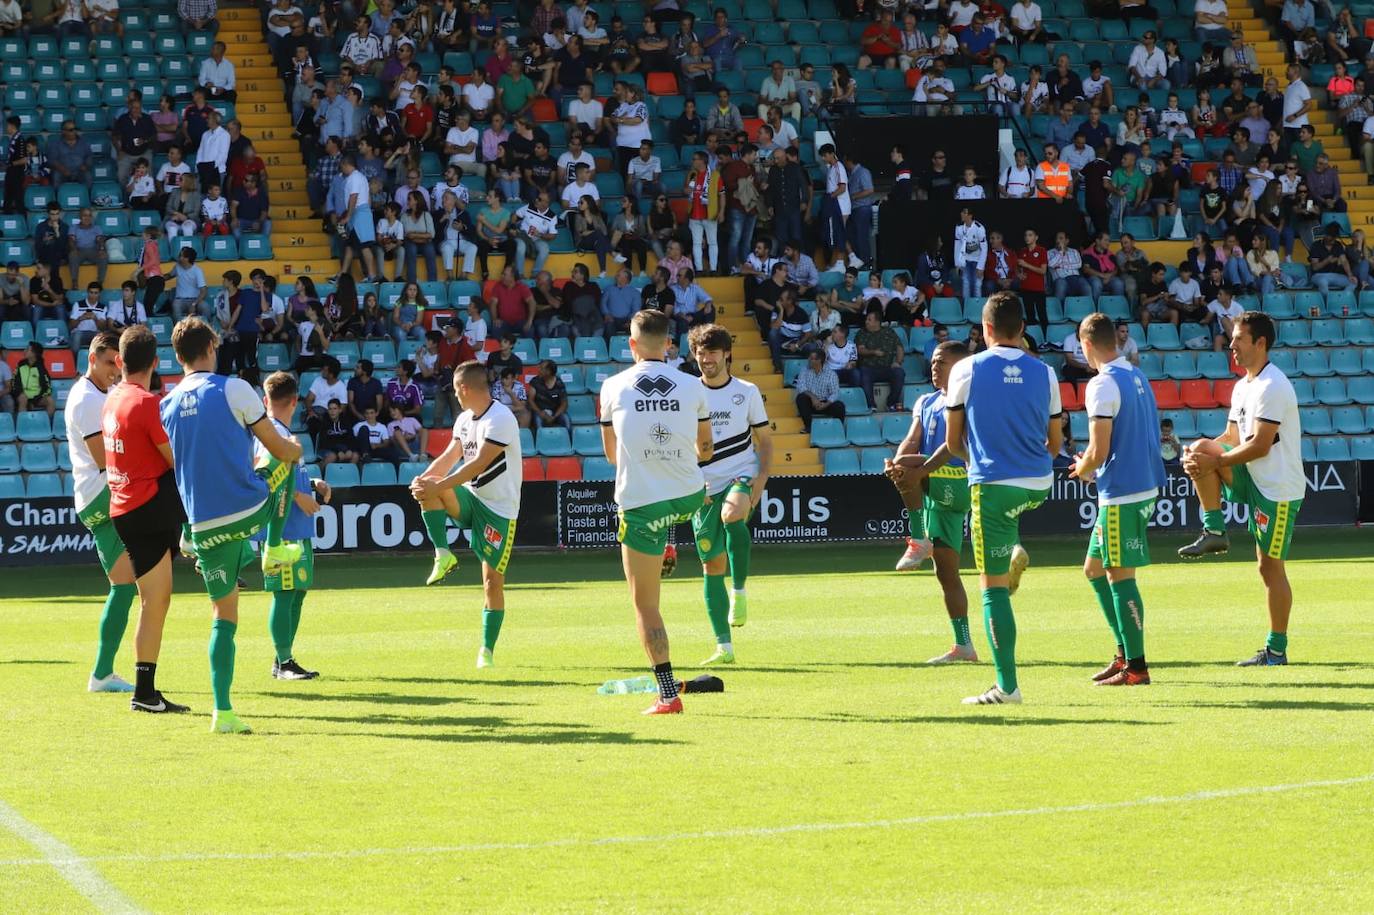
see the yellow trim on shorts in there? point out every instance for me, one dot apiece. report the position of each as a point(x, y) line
point(949, 473)
point(976, 525)
point(1280, 532)
point(1112, 529)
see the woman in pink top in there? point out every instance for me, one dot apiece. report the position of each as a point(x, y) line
point(166, 120)
point(676, 259)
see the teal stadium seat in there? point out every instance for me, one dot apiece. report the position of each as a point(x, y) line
point(34, 426)
point(7, 430)
point(342, 476)
point(594, 467)
point(842, 460)
point(863, 430)
point(827, 432)
point(378, 473)
point(554, 442)
point(43, 486)
point(855, 404)
point(11, 486)
point(37, 457)
point(586, 440)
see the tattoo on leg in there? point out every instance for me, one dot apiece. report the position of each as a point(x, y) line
point(657, 639)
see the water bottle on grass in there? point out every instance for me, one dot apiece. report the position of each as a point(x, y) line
point(633, 685)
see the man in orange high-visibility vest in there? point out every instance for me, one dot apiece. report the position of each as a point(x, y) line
point(1053, 179)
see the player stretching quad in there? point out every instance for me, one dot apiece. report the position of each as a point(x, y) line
point(484, 494)
point(1258, 464)
point(86, 446)
point(933, 485)
point(656, 430)
point(1002, 417)
point(1123, 454)
point(144, 507)
point(735, 477)
point(211, 421)
point(288, 585)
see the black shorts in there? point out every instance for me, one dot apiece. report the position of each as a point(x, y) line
point(154, 528)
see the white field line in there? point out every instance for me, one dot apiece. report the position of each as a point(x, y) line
point(73, 868)
point(741, 832)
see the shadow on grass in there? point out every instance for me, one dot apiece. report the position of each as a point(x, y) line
point(537, 737)
point(462, 681)
point(1009, 719)
point(34, 661)
point(1212, 684)
point(1290, 705)
point(377, 698)
point(487, 722)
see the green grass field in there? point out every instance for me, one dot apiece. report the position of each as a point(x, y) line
point(836, 773)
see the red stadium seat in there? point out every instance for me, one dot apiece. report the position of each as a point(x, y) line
point(438, 441)
point(1069, 396)
point(13, 358)
point(1166, 395)
point(1197, 394)
point(679, 207)
point(61, 363)
point(661, 84)
point(544, 110)
point(913, 76)
point(751, 126)
point(1200, 170)
point(1222, 389)
point(533, 469)
point(434, 318)
point(564, 468)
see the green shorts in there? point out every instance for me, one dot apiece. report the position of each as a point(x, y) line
point(1119, 537)
point(946, 507)
point(996, 528)
point(646, 529)
point(301, 576)
point(96, 518)
point(493, 537)
point(223, 551)
point(1271, 523)
point(707, 526)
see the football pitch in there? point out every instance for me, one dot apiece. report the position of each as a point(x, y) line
point(836, 773)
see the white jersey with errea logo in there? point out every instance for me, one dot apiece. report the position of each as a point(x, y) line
point(1269, 398)
point(736, 411)
point(497, 487)
point(655, 411)
point(82, 414)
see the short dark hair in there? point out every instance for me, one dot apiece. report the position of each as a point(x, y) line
point(104, 341)
point(650, 323)
point(281, 387)
point(1260, 326)
point(954, 349)
point(471, 373)
point(1099, 329)
point(364, 365)
point(1004, 312)
point(138, 348)
point(191, 339)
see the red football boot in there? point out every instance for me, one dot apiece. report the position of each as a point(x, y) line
point(1127, 677)
point(660, 707)
point(1111, 670)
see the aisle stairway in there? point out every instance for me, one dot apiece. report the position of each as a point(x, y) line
point(1269, 52)
point(297, 242)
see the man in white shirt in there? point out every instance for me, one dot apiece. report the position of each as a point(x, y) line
point(1148, 64)
point(581, 187)
point(217, 75)
point(574, 156)
point(1000, 87)
point(363, 49)
point(587, 116)
point(1018, 181)
point(1297, 102)
point(212, 156)
point(460, 145)
point(538, 227)
point(842, 356)
point(1224, 311)
point(1209, 22)
point(1027, 22)
point(970, 252)
point(835, 209)
point(87, 318)
point(478, 94)
point(1257, 465)
point(935, 91)
point(169, 173)
point(780, 90)
point(645, 173)
point(1126, 346)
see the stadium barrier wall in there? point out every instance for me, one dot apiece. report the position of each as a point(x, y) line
point(906, 227)
point(581, 515)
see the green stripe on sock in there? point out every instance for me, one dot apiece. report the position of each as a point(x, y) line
point(1001, 626)
point(1130, 616)
point(436, 525)
point(113, 621)
point(222, 662)
point(961, 633)
point(1103, 589)
point(1277, 642)
point(1214, 520)
point(491, 626)
point(738, 543)
point(717, 606)
point(916, 523)
point(279, 623)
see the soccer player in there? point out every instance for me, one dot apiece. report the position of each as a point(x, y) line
point(211, 422)
point(87, 449)
point(1123, 455)
point(934, 488)
point(144, 506)
point(735, 477)
point(288, 585)
point(1256, 463)
point(1002, 416)
point(656, 430)
point(484, 494)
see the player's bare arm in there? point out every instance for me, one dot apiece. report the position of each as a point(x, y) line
point(427, 487)
point(956, 434)
point(286, 450)
point(705, 446)
point(1095, 455)
point(608, 442)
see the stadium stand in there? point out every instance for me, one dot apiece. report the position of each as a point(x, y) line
point(56, 81)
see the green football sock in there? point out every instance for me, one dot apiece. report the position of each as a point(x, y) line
point(296, 613)
point(1130, 617)
point(491, 626)
point(1277, 642)
point(1001, 626)
point(1214, 520)
point(436, 525)
point(1103, 589)
point(222, 662)
point(738, 542)
point(961, 635)
point(717, 606)
point(916, 524)
point(113, 622)
point(281, 481)
point(279, 623)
